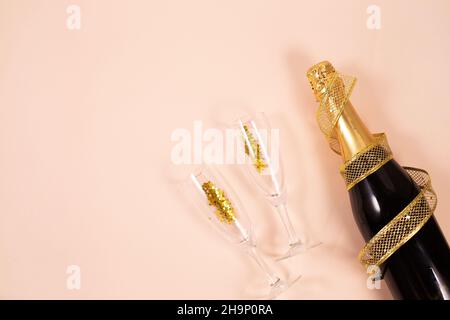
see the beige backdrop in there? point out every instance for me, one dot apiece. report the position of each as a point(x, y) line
point(86, 118)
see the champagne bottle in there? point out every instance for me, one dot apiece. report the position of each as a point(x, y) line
point(420, 267)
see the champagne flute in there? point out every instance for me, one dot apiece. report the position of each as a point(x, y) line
point(261, 147)
point(214, 197)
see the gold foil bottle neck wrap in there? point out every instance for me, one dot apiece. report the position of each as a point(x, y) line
point(318, 75)
point(338, 120)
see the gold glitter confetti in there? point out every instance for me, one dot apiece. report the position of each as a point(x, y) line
point(258, 160)
point(217, 198)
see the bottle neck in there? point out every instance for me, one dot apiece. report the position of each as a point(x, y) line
point(332, 90)
point(352, 133)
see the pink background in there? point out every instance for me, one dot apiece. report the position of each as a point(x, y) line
point(86, 118)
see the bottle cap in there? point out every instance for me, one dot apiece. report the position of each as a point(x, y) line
point(318, 76)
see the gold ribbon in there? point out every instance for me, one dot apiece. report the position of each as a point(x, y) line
point(366, 161)
point(333, 96)
point(405, 225)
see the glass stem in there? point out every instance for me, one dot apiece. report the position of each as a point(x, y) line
point(284, 215)
point(254, 253)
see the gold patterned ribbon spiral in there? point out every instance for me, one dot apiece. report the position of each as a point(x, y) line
point(333, 90)
point(366, 161)
point(333, 93)
point(405, 225)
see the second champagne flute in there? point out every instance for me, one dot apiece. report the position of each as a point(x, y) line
point(266, 170)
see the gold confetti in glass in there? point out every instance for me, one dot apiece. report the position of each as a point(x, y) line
point(261, 147)
point(214, 197)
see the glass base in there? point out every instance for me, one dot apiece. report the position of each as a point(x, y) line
point(298, 248)
point(280, 286)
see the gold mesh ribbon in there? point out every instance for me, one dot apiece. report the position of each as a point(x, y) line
point(333, 94)
point(333, 90)
point(405, 225)
point(366, 161)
